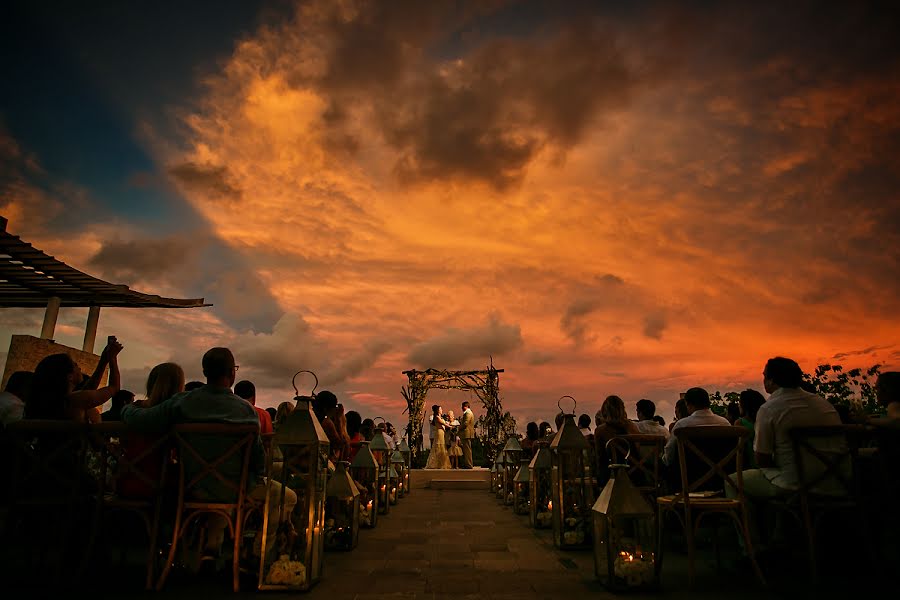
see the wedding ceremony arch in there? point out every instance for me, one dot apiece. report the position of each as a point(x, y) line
point(492, 428)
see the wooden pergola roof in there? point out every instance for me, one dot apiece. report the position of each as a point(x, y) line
point(28, 278)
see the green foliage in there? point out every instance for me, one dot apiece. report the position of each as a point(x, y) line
point(852, 390)
point(492, 437)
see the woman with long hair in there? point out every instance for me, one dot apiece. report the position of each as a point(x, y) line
point(164, 381)
point(612, 421)
point(438, 458)
point(60, 391)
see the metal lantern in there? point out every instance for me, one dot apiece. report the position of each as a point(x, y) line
point(500, 489)
point(540, 513)
point(624, 535)
point(572, 485)
point(393, 485)
point(381, 448)
point(493, 488)
point(521, 501)
point(399, 465)
point(341, 510)
point(364, 470)
point(404, 449)
point(293, 560)
point(511, 451)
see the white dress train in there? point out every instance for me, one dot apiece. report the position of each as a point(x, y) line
point(438, 457)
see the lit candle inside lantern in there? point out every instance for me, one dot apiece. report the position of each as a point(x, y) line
point(550, 505)
point(369, 505)
point(383, 488)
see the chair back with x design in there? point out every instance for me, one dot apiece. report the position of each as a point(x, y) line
point(213, 476)
point(134, 478)
point(826, 458)
point(710, 461)
point(48, 498)
point(642, 453)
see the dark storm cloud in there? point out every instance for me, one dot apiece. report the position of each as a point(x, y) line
point(147, 260)
point(356, 364)
point(609, 294)
point(457, 346)
point(654, 325)
point(455, 100)
point(211, 180)
point(200, 265)
point(504, 103)
point(863, 352)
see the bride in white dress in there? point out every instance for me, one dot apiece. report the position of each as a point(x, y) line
point(438, 457)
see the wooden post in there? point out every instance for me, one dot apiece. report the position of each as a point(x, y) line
point(50, 317)
point(90, 330)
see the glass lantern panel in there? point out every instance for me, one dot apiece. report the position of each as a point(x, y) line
point(293, 559)
point(341, 523)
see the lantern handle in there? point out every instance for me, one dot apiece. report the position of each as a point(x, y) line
point(383, 421)
point(296, 391)
point(574, 404)
point(614, 441)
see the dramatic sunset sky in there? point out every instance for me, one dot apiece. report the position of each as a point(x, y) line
point(625, 198)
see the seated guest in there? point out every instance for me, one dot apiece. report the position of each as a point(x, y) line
point(584, 424)
point(546, 431)
point(119, 399)
point(733, 411)
point(354, 423)
point(646, 413)
point(246, 390)
point(696, 401)
point(12, 400)
point(887, 393)
point(613, 421)
point(749, 402)
point(193, 385)
point(54, 394)
point(367, 429)
point(340, 420)
point(164, 381)
point(787, 406)
point(215, 403)
point(324, 404)
point(681, 412)
point(532, 434)
point(282, 413)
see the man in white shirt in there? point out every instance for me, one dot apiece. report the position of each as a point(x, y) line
point(787, 406)
point(12, 399)
point(645, 410)
point(699, 414)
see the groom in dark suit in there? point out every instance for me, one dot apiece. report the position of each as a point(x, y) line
point(466, 433)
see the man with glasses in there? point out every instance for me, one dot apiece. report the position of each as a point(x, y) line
point(214, 403)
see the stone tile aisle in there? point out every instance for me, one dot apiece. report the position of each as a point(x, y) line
point(462, 544)
point(457, 544)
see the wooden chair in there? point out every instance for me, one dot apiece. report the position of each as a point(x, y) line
point(642, 453)
point(197, 470)
point(133, 480)
point(881, 487)
point(48, 500)
point(710, 459)
point(826, 458)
